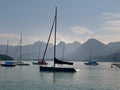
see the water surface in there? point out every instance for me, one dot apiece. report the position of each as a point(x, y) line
point(101, 77)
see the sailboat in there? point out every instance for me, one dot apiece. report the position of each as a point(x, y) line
point(116, 63)
point(56, 61)
point(8, 63)
point(91, 62)
point(20, 62)
point(40, 62)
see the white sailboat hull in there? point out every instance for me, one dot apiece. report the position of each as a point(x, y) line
point(22, 63)
point(116, 64)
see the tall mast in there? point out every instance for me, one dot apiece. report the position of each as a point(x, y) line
point(55, 34)
point(63, 50)
point(20, 46)
point(7, 47)
point(90, 53)
point(48, 39)
point(39, 51)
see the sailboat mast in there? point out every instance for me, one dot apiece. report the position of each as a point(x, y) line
point(7, 47)
point(48, 40)
point(39, 51)
point(90, 53)
point(63, 50)
point(20, 46)
point(55, 34)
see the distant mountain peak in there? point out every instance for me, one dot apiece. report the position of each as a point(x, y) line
point(114, 44)
point(93, 42)
point(61, 42)
point(76, 42)
point(37, 42)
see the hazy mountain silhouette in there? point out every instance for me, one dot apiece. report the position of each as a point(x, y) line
point(91, 49)
point(72, 51)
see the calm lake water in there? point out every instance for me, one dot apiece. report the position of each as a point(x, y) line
point(101, 77)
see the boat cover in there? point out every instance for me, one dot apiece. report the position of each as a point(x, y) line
point(56, 61)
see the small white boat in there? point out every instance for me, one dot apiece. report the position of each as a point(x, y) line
point(116, 61)
point(22, 63)
point(116, 64)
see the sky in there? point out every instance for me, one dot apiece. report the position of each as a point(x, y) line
point(78, 20)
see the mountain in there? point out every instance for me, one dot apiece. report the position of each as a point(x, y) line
point(91, 49)
point(115, 57)
point(33, 51)
point(69, 51)
point(115, 46)
point(5, 57)
point(62, 49)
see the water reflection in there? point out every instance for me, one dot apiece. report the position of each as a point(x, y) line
point(102, 77)
point(58, 79)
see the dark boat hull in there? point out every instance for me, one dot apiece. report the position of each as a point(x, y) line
point(58, 69)
point(23, 64)
point(39, 63)
point(118, 65)
point(35, 63)
point(91, 63)
point(8, 65)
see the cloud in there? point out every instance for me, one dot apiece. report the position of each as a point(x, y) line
point(7, 36)
point(111, 23)
point(111, 26)
point(60, 37)
point(108, 38)
point(80, 30)
point(110, 16)
point(15, 38)
point(30, 39)
point(108, 30)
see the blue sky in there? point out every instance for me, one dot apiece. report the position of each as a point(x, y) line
point(78, 20)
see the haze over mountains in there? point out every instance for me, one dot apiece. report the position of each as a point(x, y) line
point(92, 48)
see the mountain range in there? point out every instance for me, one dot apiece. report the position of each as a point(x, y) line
point(91, 49)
